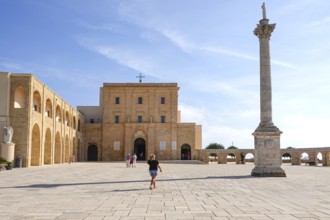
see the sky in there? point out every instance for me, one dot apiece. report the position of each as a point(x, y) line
point(207, 47)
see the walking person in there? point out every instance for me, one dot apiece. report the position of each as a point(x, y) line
point(153, 168)
point(128, 157)
point(134, 160)
point(131, 160)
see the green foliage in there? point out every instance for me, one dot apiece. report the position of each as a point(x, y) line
point(232, 147)
point(232, 155)
point(290, 147)
point(215, 146)
point(3, 160)
point(286, 155)
point(213, 155)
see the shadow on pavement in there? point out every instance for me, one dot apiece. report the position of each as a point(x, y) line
point(53, 185)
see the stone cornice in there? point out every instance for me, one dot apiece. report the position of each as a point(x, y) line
point(267, 130)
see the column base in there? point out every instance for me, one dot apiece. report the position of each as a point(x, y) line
point(268, 172)
point(8, 151)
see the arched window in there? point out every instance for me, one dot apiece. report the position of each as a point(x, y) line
point(36, 101)
point(49, 109)
point(67, 118)
point(58, 113)
point(74, 122)
point(78, 124)
point(19, 97)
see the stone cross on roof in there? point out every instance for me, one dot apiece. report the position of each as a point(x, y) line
point(140, 76)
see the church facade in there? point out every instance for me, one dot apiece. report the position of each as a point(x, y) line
point(141, 118)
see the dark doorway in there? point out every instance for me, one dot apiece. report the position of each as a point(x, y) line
point(92, 153)
point(140, 148)
point(185, 152)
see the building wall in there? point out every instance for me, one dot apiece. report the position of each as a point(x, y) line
point(120, 127)
point(4, 97)
point(40, 131)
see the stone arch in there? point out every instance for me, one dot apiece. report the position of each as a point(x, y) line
point(231, 158)
point(49, 109)
point(74, 123)
point(92, 152)
point(19, 97)
point(35, 146)
point(286, 157)
point(58, 113)
point(37, 101)
point(67, 118)
point(66, 150)
point(74, 147)
point(78, 155)
point(213, 157)
point(79, 124)
point(58, 148)
point(185, 152)
point(249, 158)
point(48, 147)
point(304, 157)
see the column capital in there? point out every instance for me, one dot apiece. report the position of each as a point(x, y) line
point(264, 30)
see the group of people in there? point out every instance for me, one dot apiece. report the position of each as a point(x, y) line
point(131, 160)
point(153, 167)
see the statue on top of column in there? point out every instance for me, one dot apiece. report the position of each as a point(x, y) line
point(263, 11)
point(7, 134)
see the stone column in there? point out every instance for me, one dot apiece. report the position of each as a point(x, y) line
point(267, 135)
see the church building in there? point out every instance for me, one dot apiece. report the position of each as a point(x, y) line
point(140, 118)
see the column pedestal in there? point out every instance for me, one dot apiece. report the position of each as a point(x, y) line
point(267, 155)
point(8, 151)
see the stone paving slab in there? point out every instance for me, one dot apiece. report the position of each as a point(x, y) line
point(104, 191)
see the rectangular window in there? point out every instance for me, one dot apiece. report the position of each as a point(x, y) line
point(116, 119)
point(162, 100)
point(162, 119)
point(139, 100)
point(139, 119)
point(117, 100)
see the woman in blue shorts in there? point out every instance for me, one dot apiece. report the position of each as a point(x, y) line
point(153, 167)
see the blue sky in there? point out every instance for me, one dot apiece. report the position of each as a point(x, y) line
point(207, 47)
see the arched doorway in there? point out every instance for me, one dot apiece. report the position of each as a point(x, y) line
point(58, 148)
point(140, 148)
point(92, 153)
point(48, 147)
point(186, 152)
point(36, 146)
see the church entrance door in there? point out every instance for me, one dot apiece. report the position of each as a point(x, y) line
point(92, 153)
point(140, 148)
point(186, 152)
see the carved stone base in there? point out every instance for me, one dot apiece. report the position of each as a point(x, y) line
point(267, 158)
point(8, 151)
point(268, 172)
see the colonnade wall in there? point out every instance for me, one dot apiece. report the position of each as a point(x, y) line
point(238, 155)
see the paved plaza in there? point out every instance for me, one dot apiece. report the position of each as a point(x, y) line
point(95, 191)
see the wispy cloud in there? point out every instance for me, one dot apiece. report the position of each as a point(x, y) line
point(11, 66)
point(189, 47)
point(123, 56)
point(321, 23)
point(102, 27)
